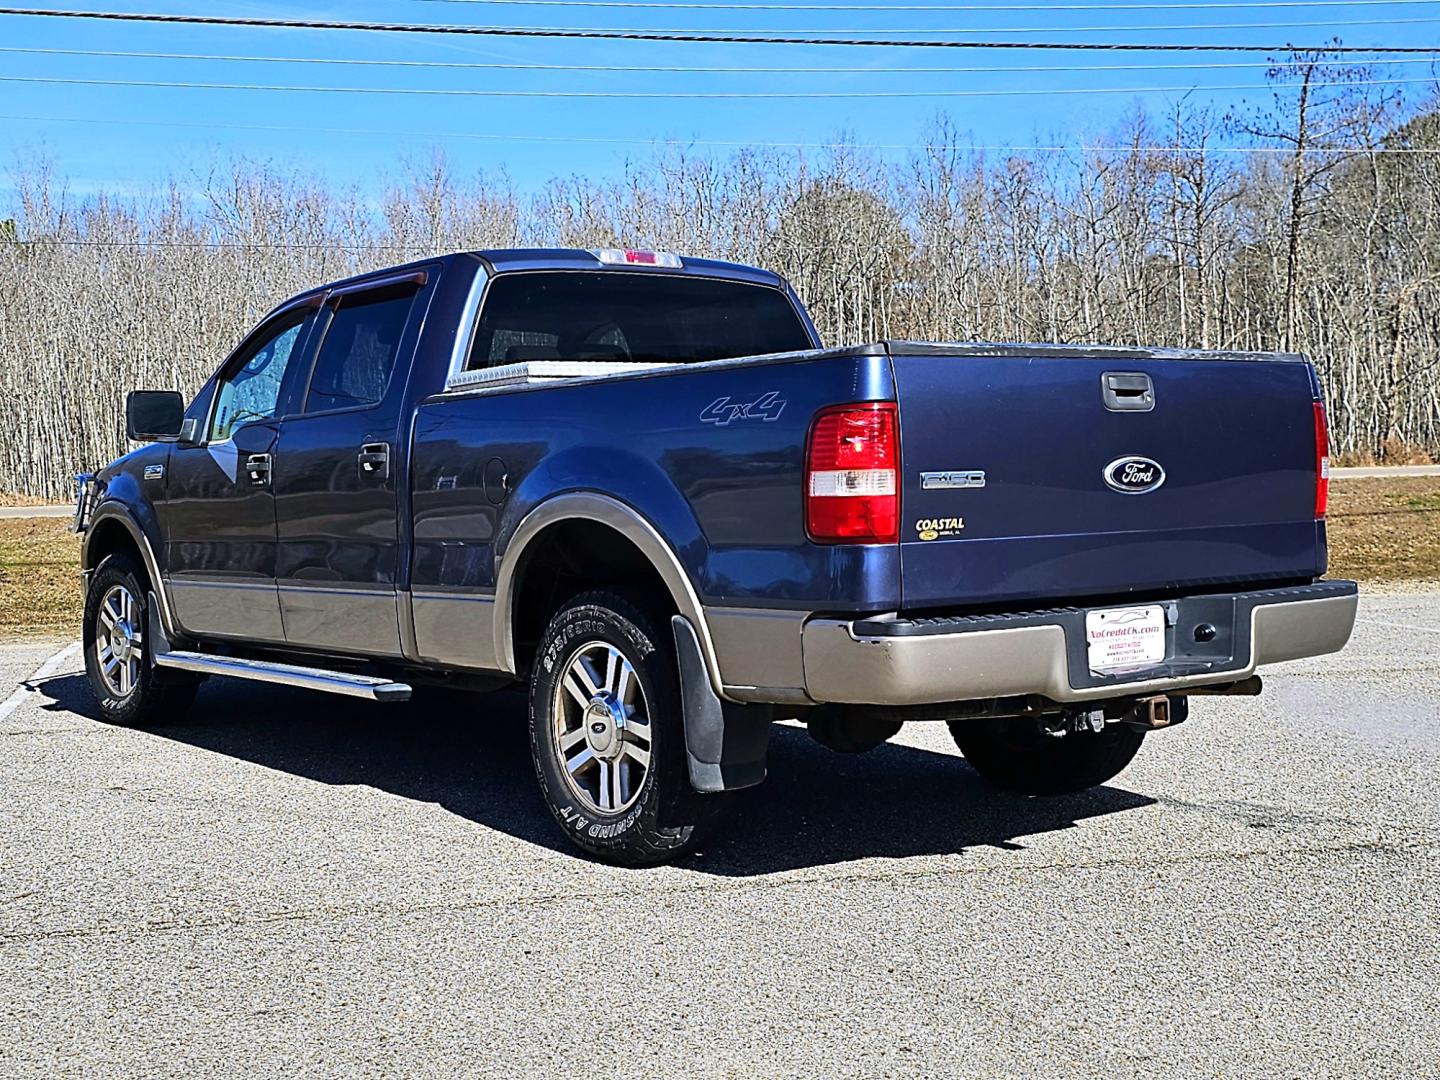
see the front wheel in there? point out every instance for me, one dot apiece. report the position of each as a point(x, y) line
point(117, 650)
point(1020, 755)
point(607, 735)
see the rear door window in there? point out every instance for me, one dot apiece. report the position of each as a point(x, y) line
point(357, 358)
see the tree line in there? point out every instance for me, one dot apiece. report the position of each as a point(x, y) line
point(1322, 238)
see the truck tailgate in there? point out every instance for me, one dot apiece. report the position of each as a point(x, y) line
point(1235, 440)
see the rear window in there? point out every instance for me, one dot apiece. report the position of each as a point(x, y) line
point(645, 318)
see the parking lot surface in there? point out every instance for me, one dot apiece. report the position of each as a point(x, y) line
point(292, 884)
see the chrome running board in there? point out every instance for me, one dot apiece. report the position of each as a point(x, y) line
point(369, 687)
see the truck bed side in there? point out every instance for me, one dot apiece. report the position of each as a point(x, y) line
point(722, 487)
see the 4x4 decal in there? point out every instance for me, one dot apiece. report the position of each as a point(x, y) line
point(723, 411)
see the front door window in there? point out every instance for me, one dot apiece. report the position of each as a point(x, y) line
point(256, 389)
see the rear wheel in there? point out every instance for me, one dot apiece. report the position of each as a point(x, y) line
point(607, 736)
point(1020, 754)
point(117, 650)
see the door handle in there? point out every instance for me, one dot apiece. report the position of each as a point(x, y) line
point(374, 461)
point(1127, 391)
point(258, 467)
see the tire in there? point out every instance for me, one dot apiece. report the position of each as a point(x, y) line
point(1016, 754)
point(117, 650)
point(620, 789)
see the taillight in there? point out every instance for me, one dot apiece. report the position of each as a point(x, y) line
point(1322, 462)
point(852, 475)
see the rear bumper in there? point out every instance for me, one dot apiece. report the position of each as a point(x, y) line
point(897, 661)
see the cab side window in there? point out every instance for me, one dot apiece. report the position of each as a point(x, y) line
point(358, 354)
point(255, 389)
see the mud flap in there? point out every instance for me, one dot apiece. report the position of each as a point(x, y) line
point(725, 743)
point(159, 644)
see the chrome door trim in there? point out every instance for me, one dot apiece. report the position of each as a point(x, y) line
point(341, 619)
point(217, 606)
point(345, 590)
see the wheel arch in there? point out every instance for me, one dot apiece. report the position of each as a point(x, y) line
point(589, 511)
point(114, 530)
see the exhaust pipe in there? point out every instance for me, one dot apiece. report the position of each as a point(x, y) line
point(1250, 687)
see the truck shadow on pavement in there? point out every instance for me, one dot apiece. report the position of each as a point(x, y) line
point(817, 808)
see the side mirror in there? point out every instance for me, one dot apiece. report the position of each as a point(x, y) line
point(153, 415)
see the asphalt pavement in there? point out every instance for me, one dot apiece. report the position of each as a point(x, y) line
point(290, 884)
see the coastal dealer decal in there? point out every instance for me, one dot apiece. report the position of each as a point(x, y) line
point(934, 528)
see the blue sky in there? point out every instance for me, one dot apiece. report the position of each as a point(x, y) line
point(134, 136)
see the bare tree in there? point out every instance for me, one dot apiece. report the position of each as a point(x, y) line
point(1330, 246)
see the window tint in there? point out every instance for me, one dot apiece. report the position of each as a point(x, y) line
point(358, 354)
point(640, 317)
point(254, 390)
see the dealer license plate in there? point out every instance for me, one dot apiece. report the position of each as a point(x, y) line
point(1125, 639)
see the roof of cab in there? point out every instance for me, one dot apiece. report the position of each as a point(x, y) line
point(504, 260)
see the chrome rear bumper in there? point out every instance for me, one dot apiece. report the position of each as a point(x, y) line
point(896, 661)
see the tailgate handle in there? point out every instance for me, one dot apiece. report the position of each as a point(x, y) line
point(1127, 391)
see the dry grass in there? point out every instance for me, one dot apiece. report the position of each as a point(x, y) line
point(1393, 452)
point(39, 578)
point(1384, 530)
point(13, 498)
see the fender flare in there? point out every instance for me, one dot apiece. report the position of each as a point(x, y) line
point(112, 509)
point(628, 522)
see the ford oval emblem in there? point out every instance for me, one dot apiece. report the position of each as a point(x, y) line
point(1134, 475)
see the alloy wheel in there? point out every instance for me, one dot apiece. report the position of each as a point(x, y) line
point(600, 724)
point(119, 641)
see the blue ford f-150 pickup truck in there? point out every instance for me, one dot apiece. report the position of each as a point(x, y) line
point(638, 484)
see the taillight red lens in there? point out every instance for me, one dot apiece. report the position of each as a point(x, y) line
point(1322, 462)
point(852, 475)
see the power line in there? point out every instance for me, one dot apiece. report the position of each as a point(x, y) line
point(600, 140)
point(713, 37)
point(690, 95)
point(1189, 6)
point(707, 33)
point(695, 69)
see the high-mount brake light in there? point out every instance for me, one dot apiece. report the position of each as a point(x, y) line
point(852, 475)
point(1322, 462)
point(630, 257)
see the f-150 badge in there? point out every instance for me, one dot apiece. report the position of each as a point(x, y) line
point(952, 480)
point(723, 411)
